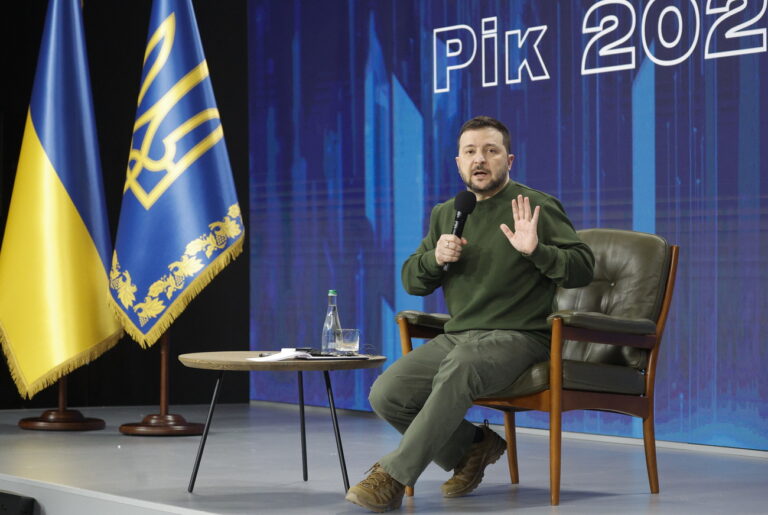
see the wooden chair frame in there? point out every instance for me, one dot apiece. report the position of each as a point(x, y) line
point(555, 400)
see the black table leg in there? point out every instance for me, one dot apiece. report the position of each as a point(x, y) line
point(336, 430)
point(216, 390)
point(303, 427)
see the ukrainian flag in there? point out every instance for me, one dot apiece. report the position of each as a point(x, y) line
point(180, 221)
point(54, 295)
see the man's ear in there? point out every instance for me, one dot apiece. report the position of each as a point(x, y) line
point(510, 160)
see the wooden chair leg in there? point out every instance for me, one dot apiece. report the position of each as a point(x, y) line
point(649, 441)
point(555, 444)
point(555, 409)
point(509, 433)
point(409, 491)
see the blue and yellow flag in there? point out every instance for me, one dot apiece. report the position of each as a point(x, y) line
point(54, 296)
point(180, 222)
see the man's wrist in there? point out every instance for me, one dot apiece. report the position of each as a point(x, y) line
point(532, 252)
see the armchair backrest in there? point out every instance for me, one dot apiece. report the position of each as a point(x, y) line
point(631, 271)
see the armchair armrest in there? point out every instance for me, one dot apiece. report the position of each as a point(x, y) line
point(424, 320)
point(603, 322)
point(418, 324)
point(600, 328)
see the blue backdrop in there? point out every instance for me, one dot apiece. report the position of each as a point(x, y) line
point(643, 115)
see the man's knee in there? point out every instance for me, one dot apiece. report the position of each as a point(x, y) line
point(380, 395)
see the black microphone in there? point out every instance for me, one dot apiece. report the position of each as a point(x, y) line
point(464, 203)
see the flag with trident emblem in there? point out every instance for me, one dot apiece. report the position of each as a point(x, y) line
point(180, 222)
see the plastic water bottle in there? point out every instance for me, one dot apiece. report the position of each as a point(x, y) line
point(332, 325)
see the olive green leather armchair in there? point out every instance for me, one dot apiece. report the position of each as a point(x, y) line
point(604, 345)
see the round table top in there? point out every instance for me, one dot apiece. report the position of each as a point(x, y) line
point(238, 360)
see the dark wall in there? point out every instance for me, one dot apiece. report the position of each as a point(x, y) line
point(217, 319)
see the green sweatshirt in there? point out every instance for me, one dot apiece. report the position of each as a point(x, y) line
point(493, 286)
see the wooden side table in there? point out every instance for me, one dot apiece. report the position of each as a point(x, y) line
point(238, 361)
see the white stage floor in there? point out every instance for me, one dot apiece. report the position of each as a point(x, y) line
point(252, 464)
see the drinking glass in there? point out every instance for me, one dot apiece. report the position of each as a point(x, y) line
point(350, 341)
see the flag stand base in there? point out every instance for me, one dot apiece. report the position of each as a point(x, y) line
point(163, 424)
point(62, 419)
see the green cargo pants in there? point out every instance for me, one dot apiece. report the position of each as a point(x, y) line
point(426, 393)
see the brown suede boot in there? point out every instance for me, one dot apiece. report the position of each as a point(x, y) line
point(469, 472)
point(378, 492)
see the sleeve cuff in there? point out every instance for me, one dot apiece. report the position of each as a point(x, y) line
point(429, 262)
point(541, 256)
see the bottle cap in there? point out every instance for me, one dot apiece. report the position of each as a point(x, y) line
point(331, 292)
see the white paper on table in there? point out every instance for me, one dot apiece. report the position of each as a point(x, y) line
point(285, 353)
point(291, 353)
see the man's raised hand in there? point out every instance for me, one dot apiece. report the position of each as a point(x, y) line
point(524, 239)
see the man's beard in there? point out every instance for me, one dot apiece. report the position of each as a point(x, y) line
point(494, 184)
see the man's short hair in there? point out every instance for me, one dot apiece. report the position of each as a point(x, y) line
point(481, 122)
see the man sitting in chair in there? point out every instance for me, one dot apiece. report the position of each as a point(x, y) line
point(499, 289)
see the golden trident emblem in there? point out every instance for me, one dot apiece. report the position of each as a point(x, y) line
point(154, 116)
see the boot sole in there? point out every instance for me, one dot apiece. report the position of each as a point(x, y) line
point(377, 508)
